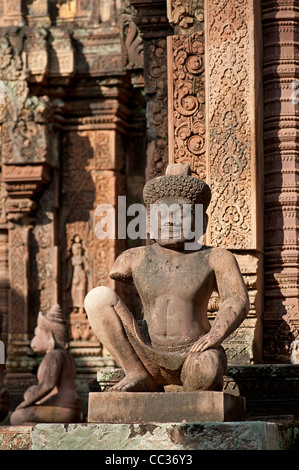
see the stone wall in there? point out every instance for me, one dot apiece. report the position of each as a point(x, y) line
point(72, 127)
point(97, 97)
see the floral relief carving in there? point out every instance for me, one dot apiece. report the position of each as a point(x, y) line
point(187, 125)
point(230, 126)
point(156, 90)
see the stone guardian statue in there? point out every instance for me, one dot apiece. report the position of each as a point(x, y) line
point(176, 344)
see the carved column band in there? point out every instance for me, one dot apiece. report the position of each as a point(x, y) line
point(281, 125)
point(234, 151)
point(186, 85)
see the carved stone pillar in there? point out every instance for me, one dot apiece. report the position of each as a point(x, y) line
point(281, 75)
point(92, 173)
point(234, 152)
point(214, 71)
point(154, 27)
point(186, 85)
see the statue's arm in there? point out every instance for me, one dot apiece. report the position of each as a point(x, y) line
point(122, 268)
point(234, 301)
point(48, 374)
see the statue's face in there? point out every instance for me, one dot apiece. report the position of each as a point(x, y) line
point(42, 341)
point(173, 223)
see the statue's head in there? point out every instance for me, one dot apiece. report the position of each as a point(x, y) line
point(176, 190)
point(51, 331)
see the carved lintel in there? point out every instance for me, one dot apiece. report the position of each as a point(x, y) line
point(24, 181)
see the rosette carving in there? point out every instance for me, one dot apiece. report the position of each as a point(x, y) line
point(187, 122)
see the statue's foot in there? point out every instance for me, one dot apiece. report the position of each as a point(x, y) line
point(135, 383)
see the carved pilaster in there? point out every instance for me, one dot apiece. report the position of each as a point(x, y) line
point(18, 350)
point(234, 152)
point(281, 75)
point(186, 85)
point(92, 174)
point(233, 90)
point(151, 19)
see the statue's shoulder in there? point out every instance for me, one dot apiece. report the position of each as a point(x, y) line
point(131, 254)
point(55, 356)
point(220, 257)
point(125, 263)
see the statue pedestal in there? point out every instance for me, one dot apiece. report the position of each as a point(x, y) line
point(136, 407)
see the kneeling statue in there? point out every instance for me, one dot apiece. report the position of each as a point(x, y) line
point(54, 399)
point(175, 344)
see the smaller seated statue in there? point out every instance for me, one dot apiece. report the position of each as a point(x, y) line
point(54, 399)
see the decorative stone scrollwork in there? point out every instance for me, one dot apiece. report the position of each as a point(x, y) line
point(185, 15)
point(187, 96)
point(231, 156)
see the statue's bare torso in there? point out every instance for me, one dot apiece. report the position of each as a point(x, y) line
point(175, 288)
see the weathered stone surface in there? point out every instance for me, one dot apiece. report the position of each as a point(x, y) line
point(254, 435)
point(15, 437)
point(134, 407)
point(269, 389)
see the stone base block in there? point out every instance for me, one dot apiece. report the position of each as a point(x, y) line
point(162, 437)
point(15, 437)
point(132, 407)
point(245, 435)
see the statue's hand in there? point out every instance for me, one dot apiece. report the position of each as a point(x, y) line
point(205, 342)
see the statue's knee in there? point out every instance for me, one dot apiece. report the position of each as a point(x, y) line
point(99, 298)
point(204, 371)
point(17, 417)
